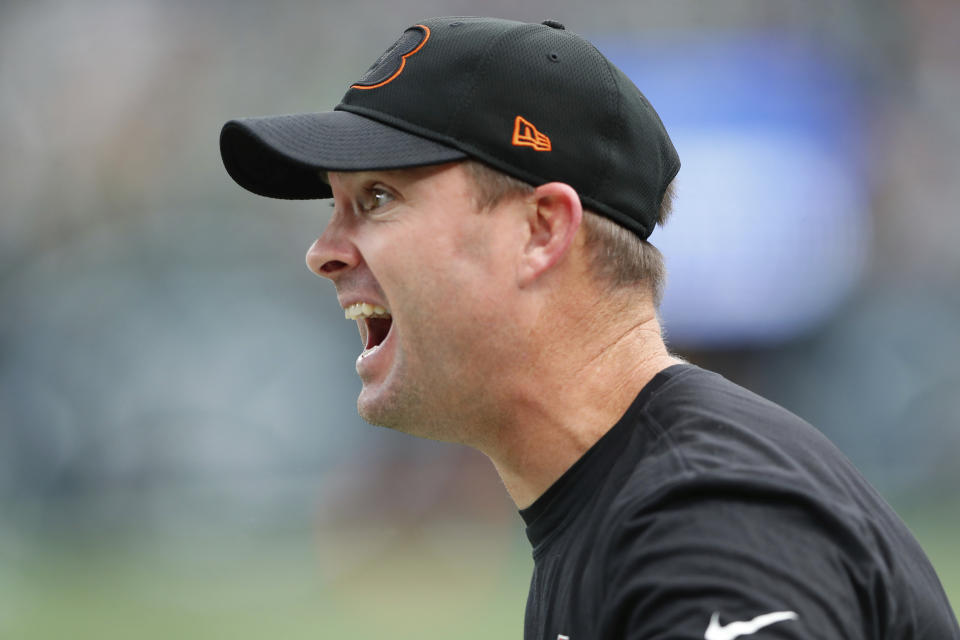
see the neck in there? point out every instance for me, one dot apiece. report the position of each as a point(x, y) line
point(570, 396)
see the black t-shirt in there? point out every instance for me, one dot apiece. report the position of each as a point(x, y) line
point(708, 512)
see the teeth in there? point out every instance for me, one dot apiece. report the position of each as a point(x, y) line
point(365, 310)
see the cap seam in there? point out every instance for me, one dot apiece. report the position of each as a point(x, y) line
point(605, 176)
point(468, 96)
point(445, 139)
point(397, 123)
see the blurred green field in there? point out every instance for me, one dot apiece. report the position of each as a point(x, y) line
point(437, 582)
point(937, 527)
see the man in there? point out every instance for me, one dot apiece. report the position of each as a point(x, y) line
point(494, 186)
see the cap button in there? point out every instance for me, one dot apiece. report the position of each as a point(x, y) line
point(554, 24)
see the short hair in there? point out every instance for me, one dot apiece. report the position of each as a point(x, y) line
point(619, 257)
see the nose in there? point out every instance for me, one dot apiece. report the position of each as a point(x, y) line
point(332, 254)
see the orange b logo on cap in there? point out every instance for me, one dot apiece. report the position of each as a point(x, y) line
point(390, 65)
point(526, 135)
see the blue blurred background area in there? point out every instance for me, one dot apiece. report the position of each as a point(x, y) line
point(179, 448)
point(774, 186)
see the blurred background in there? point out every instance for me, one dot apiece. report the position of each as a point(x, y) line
point(180, 454)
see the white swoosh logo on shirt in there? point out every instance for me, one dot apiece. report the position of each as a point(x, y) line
point(733, 630)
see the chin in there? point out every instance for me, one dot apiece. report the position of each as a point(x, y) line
point(381, 411)
point(403, 416)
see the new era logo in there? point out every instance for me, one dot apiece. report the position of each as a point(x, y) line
point(526, 135)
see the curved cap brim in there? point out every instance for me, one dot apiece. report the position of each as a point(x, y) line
point(283, 156)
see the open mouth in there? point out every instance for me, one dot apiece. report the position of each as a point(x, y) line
point(373, 321)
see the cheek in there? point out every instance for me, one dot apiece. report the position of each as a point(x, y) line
point(486, 248)
point(436, 271)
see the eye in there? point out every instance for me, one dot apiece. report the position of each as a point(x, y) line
point(374, 198)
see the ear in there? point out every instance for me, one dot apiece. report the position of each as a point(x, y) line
point(552, 224)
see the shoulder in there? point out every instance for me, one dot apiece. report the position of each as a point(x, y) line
point(729, 507)
point(727, 464)
point(707, 550)
point(736, 507)
point(689, 394)
point(697, 428)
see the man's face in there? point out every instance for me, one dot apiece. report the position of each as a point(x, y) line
point(438, 276)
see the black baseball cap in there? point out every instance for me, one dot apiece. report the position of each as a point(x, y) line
point(534, 101)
